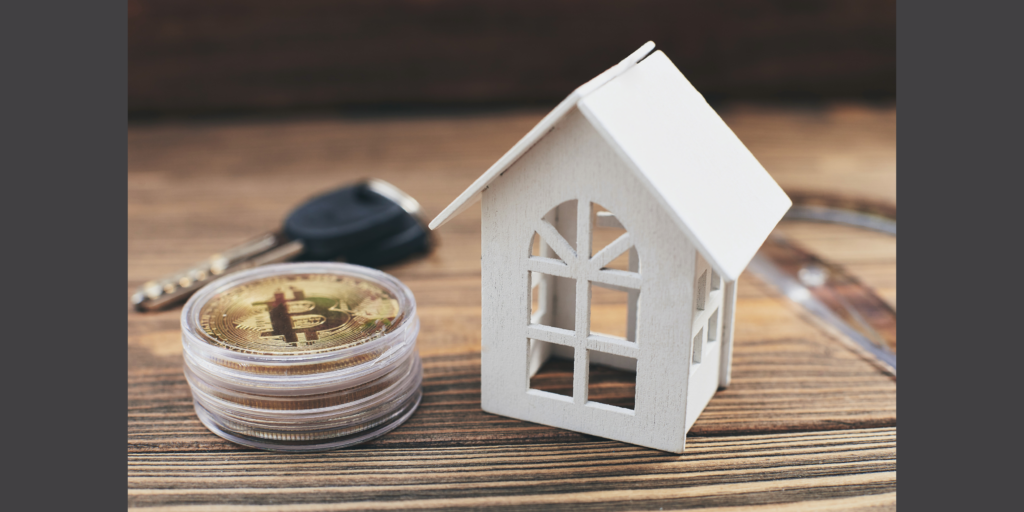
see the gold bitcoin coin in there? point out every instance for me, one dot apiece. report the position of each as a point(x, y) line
point(299, 314)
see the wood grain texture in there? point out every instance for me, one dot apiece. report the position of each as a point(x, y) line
point(764, 470)
point(805, 425)
point(195, 56)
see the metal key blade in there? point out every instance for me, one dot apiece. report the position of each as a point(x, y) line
point(176, 287)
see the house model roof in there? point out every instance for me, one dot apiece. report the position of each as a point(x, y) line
point(717, 193)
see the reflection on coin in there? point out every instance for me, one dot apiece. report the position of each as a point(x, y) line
point(298, 314)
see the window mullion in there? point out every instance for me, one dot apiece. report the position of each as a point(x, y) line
point(551, 335)
point(615, 279)
point(555, 241)
point(549, 266)
point(605, 256)
point(584, 229)
point(581, 366)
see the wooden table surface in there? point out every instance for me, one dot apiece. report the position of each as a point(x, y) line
point(805, 425)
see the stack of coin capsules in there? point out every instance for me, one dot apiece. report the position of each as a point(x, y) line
point(302, 356)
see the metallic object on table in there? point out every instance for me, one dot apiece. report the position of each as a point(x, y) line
point(370, 223)
point(174, 288)
point(322, 313)
point(838, 210)
point(826, 290)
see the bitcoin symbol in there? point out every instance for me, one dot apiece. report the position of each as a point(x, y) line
point(302, 315)
point(306, 313)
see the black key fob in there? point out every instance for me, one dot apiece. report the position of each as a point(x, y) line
point(372, 223)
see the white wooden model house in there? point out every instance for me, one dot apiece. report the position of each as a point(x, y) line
point(638, 148)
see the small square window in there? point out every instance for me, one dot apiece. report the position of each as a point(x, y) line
point(545, 292)
point(610, 311)
point(555, 362)
point(698, 346)
point(713, 327)
point(611, 386)
point(540, 298)
point(701, 290)
point(716, 281)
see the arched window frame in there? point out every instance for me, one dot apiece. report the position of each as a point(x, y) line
point(584, 268)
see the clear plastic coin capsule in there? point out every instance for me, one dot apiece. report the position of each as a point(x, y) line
point(302, 356)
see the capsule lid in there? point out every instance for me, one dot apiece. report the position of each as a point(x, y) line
point(297, 319)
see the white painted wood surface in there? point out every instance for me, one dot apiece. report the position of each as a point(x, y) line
point(574, 163)
point(641, 142)
point(696, 167)
point(706, 341)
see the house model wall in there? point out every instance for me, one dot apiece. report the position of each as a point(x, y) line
point(636, 148)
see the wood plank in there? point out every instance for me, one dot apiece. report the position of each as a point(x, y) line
point(806, 424)
point(714, 472)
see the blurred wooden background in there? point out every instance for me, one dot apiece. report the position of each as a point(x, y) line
point(225, 56)
point(806, 425)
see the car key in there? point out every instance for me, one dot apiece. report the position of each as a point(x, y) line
point(371, 223)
